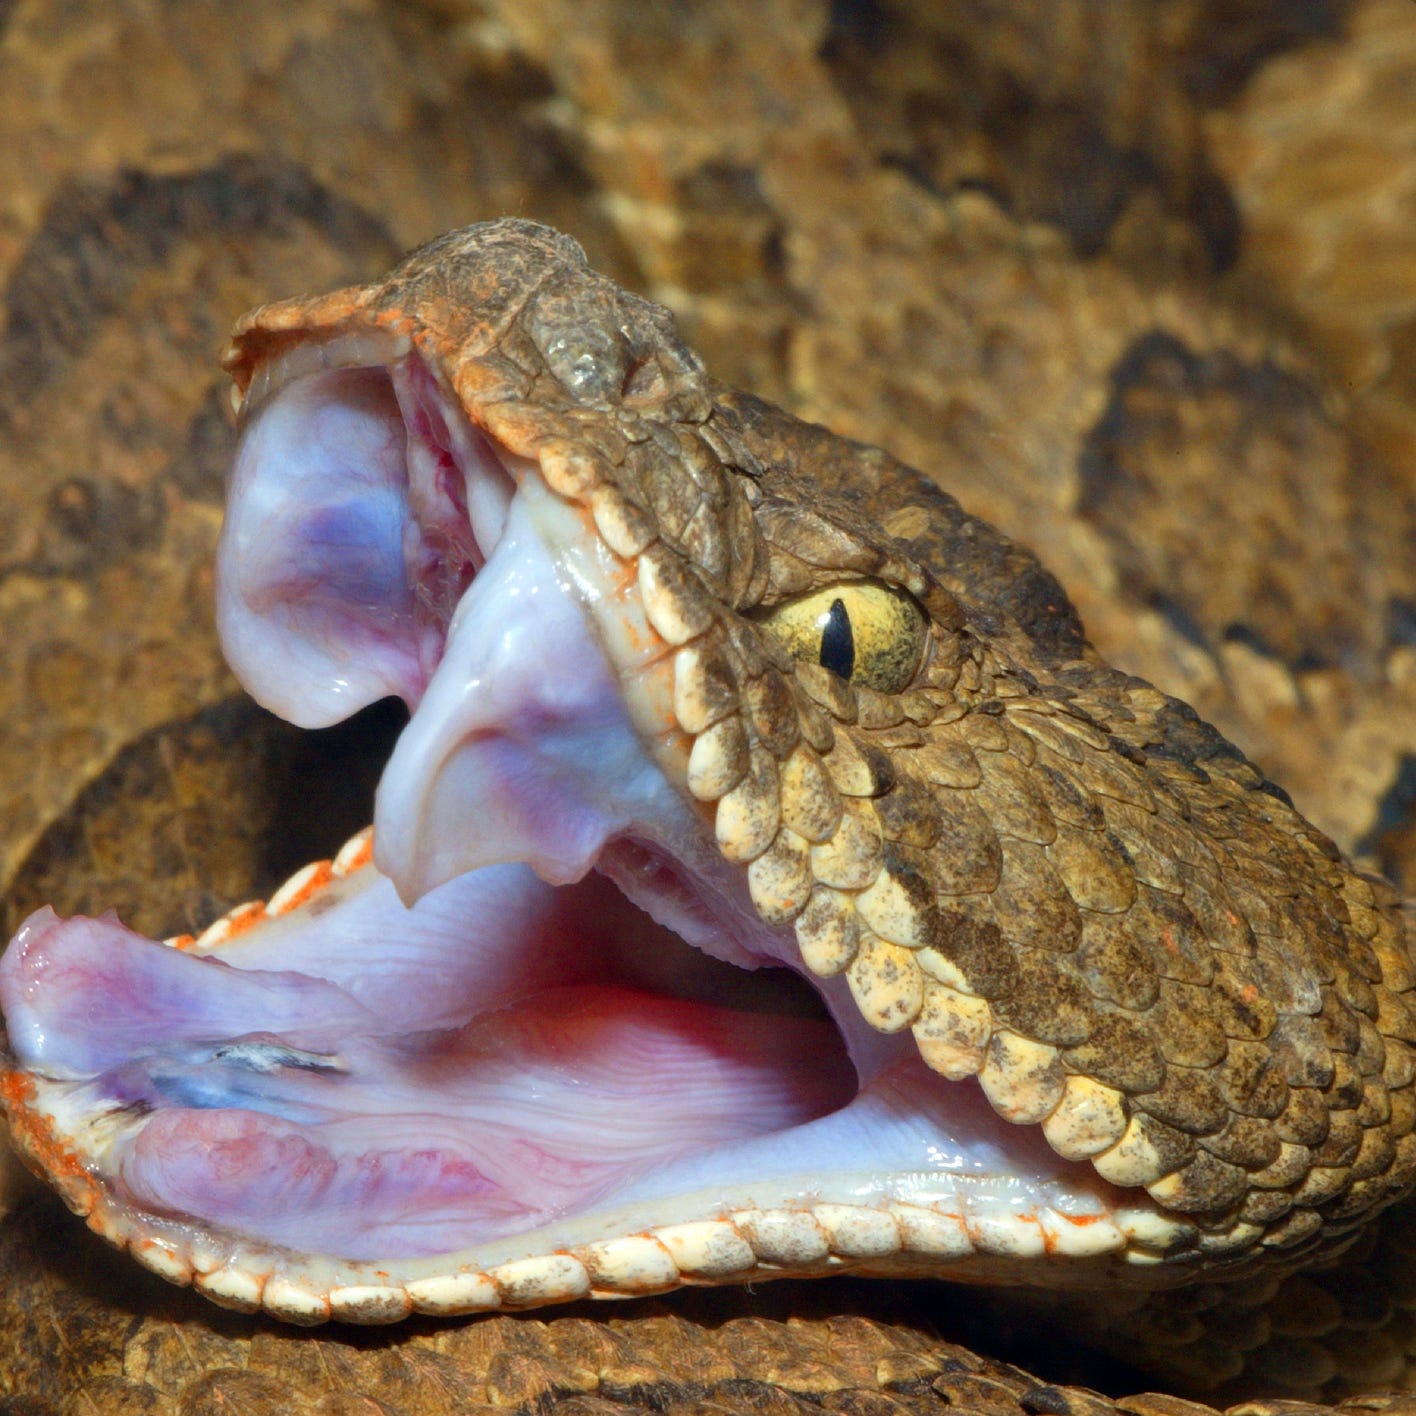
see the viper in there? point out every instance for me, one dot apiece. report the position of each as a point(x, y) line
point(770, 879)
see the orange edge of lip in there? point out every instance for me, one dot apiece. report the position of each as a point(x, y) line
point(320, 876)
point(42, 1147)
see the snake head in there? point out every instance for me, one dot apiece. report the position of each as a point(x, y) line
point(769, 880)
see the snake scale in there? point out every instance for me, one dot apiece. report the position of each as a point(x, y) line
point(67, 550)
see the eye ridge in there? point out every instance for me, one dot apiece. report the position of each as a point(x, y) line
point(837, 640)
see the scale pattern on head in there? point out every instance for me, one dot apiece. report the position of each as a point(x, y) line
point(1059, 879)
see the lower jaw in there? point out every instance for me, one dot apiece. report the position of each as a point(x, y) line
point(918, 1224)
point(908, 1174)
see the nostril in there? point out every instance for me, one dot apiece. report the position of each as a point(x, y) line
point(644, 381)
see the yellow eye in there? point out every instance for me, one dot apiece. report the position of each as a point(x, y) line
point(865, 631)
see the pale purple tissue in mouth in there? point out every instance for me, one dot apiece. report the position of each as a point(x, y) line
point(516, 1040)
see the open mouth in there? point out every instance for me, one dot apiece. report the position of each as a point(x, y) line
point(535, 1042)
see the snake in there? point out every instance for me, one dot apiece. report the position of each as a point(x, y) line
point(763, 885)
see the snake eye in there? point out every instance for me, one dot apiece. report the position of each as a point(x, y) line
point(864, 630)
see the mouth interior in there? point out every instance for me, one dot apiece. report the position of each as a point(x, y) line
point(549, 1003)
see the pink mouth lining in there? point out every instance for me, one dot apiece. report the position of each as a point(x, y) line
point(366, 1080)
point(277, 1105)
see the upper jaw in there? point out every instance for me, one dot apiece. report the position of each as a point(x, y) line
point(518, 747)
point(542, 726)
point(353, 489)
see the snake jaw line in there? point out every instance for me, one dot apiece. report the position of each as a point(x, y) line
point(1022, 868)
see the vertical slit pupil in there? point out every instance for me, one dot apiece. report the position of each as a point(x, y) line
point(837, 641)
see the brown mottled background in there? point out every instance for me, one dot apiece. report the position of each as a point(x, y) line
point(1135, 279)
